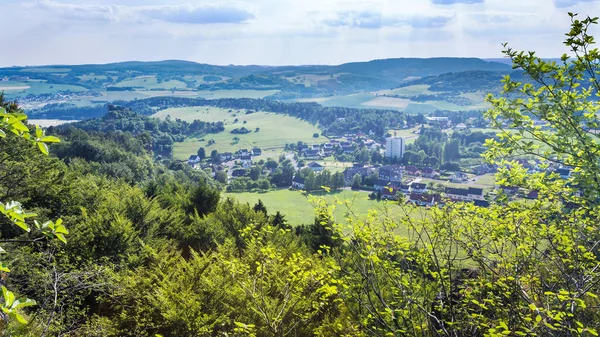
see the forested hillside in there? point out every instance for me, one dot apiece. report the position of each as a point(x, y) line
point(101, 239)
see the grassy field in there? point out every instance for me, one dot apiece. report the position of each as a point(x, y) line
point(405, 133)
point(298, 210)
point(204, 113)
point(235, 94)
point(24, 88)
point(150, 82)
point(275, 131)
point(388, 103)
point(348, 101)
point(412, 90)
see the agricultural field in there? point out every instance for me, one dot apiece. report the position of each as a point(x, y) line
point(23, 88)
point(388, 103)
point(296, 206)
point(92, 77)
point(412, 90)
point(216, 94)
point(349, 101)
point(150, 82)
point(275, 130)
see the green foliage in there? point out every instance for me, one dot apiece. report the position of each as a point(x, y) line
point(555, 111)
point(11, 120)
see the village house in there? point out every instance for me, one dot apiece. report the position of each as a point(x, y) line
point(461, 194)
point(311, 154)
point(350, 172)
point(348, 149)
point(508, 190)
point(390, 173)
point(480, 170)
point(226, 156)
point(389, 194)
point(481, 203)
point(298, 183)
point(428, 172)
point(194, 159)
point(238, 173)
point(411, 170)
point(404, 188)
point(458, 177)
point(244, 154)
point(380, 184)
point(564, 173)
point(316, 167)
point(442, 122)
point(460, 126)
point(418, 188)
point(427, 200)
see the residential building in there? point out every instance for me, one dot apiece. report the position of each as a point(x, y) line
point(238, 173)
point(481, 203)
point(194, 159)
point(564, 173)
point(418, 188)
point(428, 172)
point(298, 182)
point(381, 184)
point(405, 188)
point(411, 170)
point(390, 173)
point(226, 156)
point(316, 167)
point(394, 147)
point(311, 154)
point(442, 122)
point(350, 172)
point(458, 177)
point(461, 194)
point(424, 199)
point(389, 194)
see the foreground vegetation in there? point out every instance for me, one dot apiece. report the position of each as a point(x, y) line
point(163, 253)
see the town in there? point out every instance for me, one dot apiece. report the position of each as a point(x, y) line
point(382, 172)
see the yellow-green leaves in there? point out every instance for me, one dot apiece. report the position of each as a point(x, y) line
point(11, 305)
point(51, 228)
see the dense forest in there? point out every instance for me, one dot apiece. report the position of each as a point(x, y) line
point(333, 120)
point(161, 252)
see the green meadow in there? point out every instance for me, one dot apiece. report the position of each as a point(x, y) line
point(274, 131)
point(150, 82)
point(297, 206)
point(35, 87)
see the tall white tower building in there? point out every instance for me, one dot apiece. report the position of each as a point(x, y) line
point(394, 147)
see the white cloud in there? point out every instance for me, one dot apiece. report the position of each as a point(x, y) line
point(278, 31)
point(221, 12)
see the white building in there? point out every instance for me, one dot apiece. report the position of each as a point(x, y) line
point(394, 147)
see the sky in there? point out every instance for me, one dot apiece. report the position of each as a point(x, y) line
point(279, 32)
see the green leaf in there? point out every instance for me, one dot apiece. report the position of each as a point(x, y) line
point(43, 147)
point(2, 134)
point(50, 139)
point(25, 303)
point(19, 318)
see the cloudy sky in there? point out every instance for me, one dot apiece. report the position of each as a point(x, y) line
point(278, 31)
